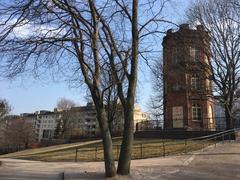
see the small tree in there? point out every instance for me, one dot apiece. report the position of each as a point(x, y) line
point(4, 108)
point(65, 104)
point(18, 133)
point(65, 116)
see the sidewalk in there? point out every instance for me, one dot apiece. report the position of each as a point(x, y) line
point(220, 163)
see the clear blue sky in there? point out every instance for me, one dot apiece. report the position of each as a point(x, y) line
point(29, 95)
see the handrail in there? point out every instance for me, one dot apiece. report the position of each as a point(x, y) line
point(163, 146)
point(214, 135)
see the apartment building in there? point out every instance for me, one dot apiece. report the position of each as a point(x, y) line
point(82, 121)
point(76, 122)
point(44, 122)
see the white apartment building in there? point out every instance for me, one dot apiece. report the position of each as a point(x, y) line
point(44, 122)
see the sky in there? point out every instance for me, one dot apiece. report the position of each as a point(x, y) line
point(26, 95)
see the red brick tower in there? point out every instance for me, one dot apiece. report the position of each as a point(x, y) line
point(188, 102)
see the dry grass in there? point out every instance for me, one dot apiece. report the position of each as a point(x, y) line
point(142, 148)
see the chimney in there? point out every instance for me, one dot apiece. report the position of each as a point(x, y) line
point(200, 27)
point(169, 31)
point(184, 26)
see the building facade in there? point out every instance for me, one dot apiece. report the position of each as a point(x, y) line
point(83, 120)
point(188, 100)
point(44, 123)
point(76, 122)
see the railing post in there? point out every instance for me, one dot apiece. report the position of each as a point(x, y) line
point(96, 149)
point(215, 142)
point(229, 138)
point(141, 150)
point(117, 151)
point(223, 138)
point(185, 149)
point(76, 154)
point(163, 148)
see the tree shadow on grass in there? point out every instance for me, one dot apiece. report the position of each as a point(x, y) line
point(83, 175)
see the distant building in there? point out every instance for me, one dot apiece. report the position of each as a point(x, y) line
point(76, 122)
point(220, 115)
point(83, 120)
point(44, 123)
point(188, 102)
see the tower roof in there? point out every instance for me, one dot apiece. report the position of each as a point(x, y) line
point(186, 34)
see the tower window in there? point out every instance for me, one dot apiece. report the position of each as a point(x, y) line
point(175, 56)
point(196, 112)
point(176, 87)
point(195, 54)
point(195, 82)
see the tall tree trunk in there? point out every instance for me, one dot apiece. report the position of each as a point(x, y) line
point(128, 106)
point(110, 169)
point(126, 147)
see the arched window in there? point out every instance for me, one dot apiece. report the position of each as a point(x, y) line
point(196, 112)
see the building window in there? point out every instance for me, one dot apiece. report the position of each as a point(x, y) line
point(175, 56)
point(196, 112)
point(195, 54)
point(176, 87)
point(195, 82)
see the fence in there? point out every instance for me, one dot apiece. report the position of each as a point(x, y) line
point(157, 149)
point(218, 123)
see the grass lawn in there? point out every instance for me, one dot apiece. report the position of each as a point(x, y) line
point(93, 151)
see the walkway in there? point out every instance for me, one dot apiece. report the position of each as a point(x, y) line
point(222, 162)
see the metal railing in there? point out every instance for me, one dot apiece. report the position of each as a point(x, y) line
point(157, 149)
point(218, 124)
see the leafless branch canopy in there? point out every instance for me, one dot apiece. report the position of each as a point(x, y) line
point(221, 18)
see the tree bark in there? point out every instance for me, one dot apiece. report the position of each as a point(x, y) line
point(128, 105)
point(124, 161)
point(229, 120)
point(110, 169)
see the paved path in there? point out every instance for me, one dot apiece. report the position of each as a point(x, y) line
point(222, 162)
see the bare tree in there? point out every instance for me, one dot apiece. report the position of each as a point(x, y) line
point(156, 100)
point(18, 133)
point(65, 104)
point(65, 117)
point(112, 106)
point(87, 38)
point(220, 19)
point(4, 108)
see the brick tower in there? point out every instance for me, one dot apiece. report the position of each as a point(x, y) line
point(188, 102)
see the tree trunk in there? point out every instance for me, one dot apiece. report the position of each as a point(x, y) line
point(128, 106)
point(126, 147)
point(229, 121)
point(110, 169)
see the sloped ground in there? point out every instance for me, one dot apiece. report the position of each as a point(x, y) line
point(93, 151)
point(222, 162)
point(49, 149)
